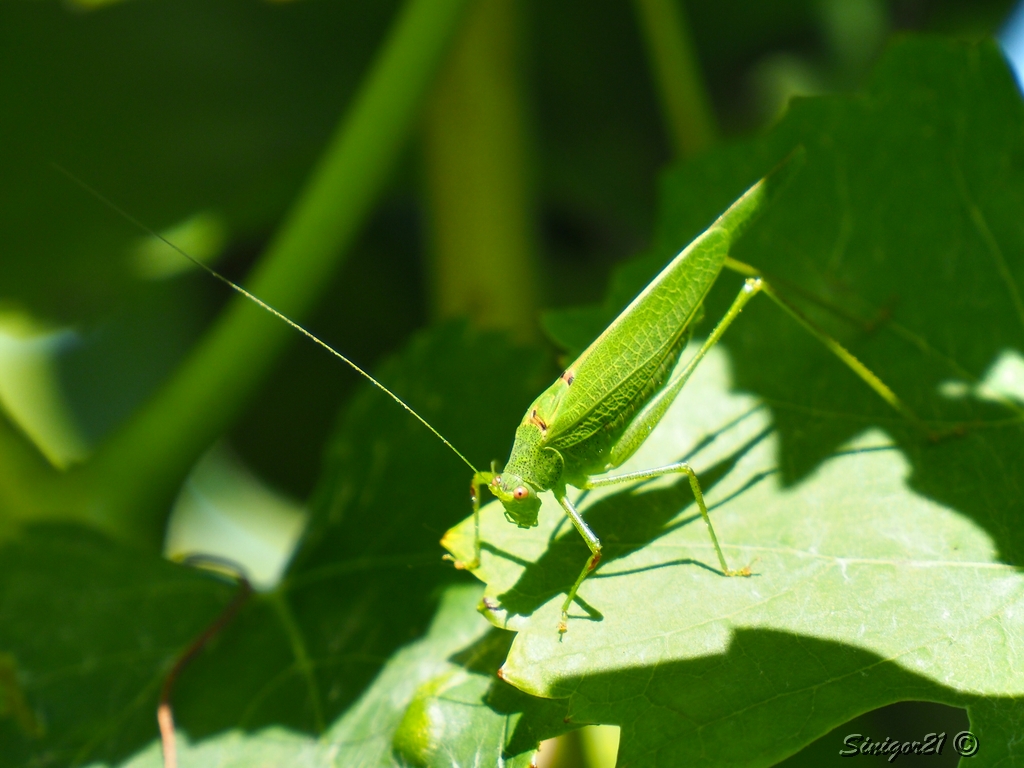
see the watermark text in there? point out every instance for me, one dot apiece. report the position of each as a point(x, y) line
point(965, 743)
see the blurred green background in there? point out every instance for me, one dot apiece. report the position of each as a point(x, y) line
point(177, 109)
point(529, 168)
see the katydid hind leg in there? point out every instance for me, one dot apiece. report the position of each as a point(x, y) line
point(679, 468)
point(848, 359)
point(866, 375)
point(865, 325)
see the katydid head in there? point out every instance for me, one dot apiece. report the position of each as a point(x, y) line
point(521, 502)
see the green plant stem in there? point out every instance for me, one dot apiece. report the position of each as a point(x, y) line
point(477, 165)
point(144, 463)
point(684, 100)
point(23, 472)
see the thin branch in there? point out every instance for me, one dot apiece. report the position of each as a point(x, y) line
point(677, 74)
point(164, 711)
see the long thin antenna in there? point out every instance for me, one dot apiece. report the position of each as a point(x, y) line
point(258, 301)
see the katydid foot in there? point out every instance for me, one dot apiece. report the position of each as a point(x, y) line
point(472, 565)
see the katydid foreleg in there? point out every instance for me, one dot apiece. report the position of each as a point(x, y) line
point(480, 480)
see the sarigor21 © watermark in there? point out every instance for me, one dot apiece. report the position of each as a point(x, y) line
point(965, 743)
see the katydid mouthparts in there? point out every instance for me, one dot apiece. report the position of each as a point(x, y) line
point(602, 408)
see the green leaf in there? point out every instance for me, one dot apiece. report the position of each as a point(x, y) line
point(294, 661)
point(366, 578)
point(88, 630)
point(363, 736)
point(456, 718)
point(851, 606)
point(885, 564)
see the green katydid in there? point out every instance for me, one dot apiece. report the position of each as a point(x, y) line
point(602, 408)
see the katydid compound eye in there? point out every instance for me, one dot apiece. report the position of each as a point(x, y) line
point(520, 493)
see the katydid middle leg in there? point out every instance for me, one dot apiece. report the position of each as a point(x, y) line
point(679, 468)
point(595, 544)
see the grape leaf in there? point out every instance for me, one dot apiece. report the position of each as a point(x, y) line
point(885, 563)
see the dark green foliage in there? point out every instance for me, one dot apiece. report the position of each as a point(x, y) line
point(885, 564)
point(88, 630)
